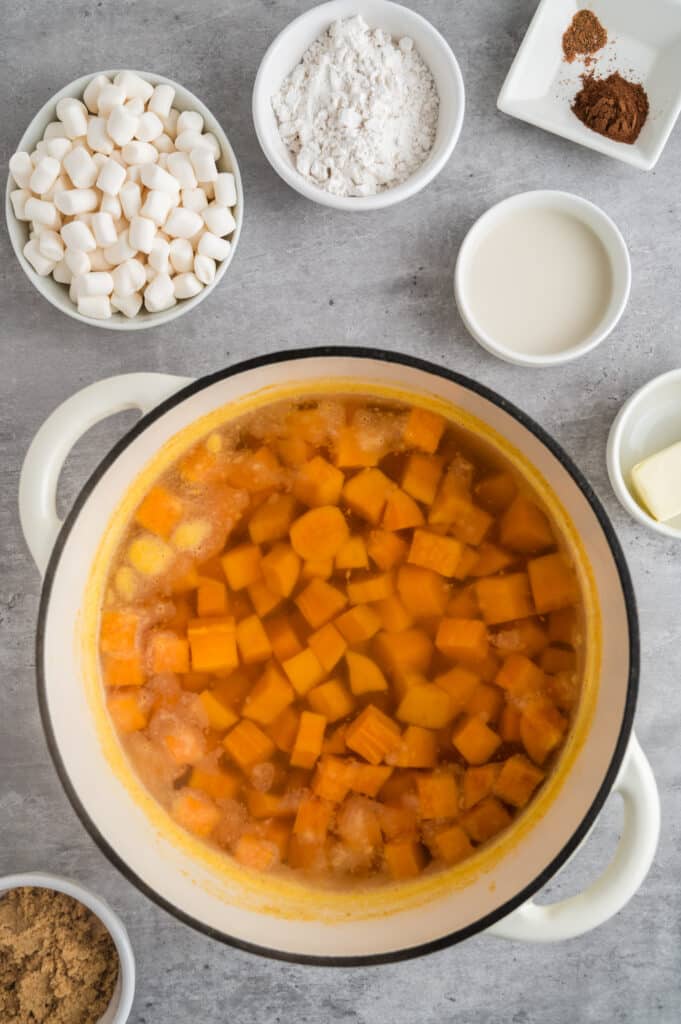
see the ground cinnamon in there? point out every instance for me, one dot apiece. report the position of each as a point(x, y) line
point(612, 106)
point(584, 36)
point(58, 963)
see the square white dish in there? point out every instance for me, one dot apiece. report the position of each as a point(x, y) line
point(644, 45)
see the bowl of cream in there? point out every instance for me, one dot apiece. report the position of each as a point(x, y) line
point(542, 278)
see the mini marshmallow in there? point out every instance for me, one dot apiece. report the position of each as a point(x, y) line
point(103, 229)
point(60, 184)
point(58, 148)
point(130, 196)
point(51, 246)
point(183, 223)
point(92, 91)
point(74, 201)
point(194, 199)
point(163, 160)
point(80, 167)
point(159, 257)
point(156, 178)
point(110, 96)
point(96, 284)
point(77, 235)
point(211, 245)
point(111, 177)
point(121, 250)
point(54, 130)
point(97, 136)
point(149, 127)
point(141, 235)
point(133, 86)
point(98, 260)
point(188, 140)
point(161, 100)
point(209, 190)
point(203, 163)
point(97, 307)
point(149, 272)
point(157, 206)
point(77, 261)
point(19, 197)
point(186, 286)
point(208, 140)
point(139, 153)
point(205, 269)
point(128, 305)
point(133, 174)
point(61, 273)
point(180, 166)
point(42, 266)
point(128, 277)
point(225, 189)
point(122, 125)
point(181, 255)
point(73, 115)
point(164, 144)
point(190, 120)
point(42, 211)
point(218, 219)
point(135, 106)
point(159, 294)
point(21, 169)
point(170, 123)
point(111, 204)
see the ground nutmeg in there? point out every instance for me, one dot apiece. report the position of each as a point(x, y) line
point(612, 106)
point(584, 36)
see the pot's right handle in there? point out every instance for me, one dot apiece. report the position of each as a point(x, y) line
point(620, 880)
point(57, 436)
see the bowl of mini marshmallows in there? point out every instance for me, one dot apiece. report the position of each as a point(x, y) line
point(124, 200)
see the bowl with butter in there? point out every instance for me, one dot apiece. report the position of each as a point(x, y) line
point(644, 454)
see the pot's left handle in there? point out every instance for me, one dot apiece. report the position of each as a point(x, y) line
point(57, 436)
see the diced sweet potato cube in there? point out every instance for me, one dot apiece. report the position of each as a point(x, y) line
point(542, 728)
point(423, 592)
point(372, 735)
point(553, 582)
point(409, 651)
point(335, 741)
point(278, 832)
point(308, 742)
point(476, 741)
point(466, 563)
point(313, 820)
point(524, 527)
point(247, 745)
point(308, 857)
point(167, 652)
point(254, 471)
point(369, 778)
point(220, 717)
point(417, 749)
point(211, 598)
point(118, 632)
point(400, 789)
point(293, 451)
point(463, 640)
point(401, 511)
point(386, 549)
point(463, 604)
point(371, 588)
point(255, 852)
point(404, 858)
point(319, 602)
point(364, 674)
point(241, 565)
point(329, 646)
point(213, 644)
point(233, 689)
point(517, 780)
point(485, 820)
point(396, 820)
point(284, 729)
point(252, 640)
point(509, 724)
point(159, 512)
point(353, 554)
point(282, 637)
point(332, 778)
point(269, 696)
point(318, 483)
point(432, 551)
point(271, 520)
point(486, 702)
point(263, 599)
point(332, 700)
point(195, 812)
point(123, 670)
point(519, 676)
point(308, 423)
point(124, 708)
point(317, 568)
point(355, 448)
point(421, 476)
point(423, 430)
point(304, 671)
point(563, 689)
point(215, 783)
point(451, 845)
point(453, 508)
point(495, 493)
point(563, 627)
point(319, 533)
point(366, 494)
point(426, 705)
point(393, 616)
point(490, 559)
point(358, 624)
point(557, 659)
point(524, 637)
point(503, 598)
point(280, 569)
point(269, 805)
point(357, 824)
point(438, 795)
point(478, 782)
point(460, 684)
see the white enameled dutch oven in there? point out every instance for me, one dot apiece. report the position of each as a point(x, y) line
point(280, 916)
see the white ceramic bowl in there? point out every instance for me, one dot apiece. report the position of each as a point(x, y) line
point(119, 1008)
point(58, 294)
point(289, 46)
point(647, 422)
point(591, 215)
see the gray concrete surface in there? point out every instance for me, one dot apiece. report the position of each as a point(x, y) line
point(305, 275)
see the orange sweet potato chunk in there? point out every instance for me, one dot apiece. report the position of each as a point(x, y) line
point(554, 583)
point(304, 671)
point(486, 702)
point(313, 819)
point(159, 512)
point(524, 637)
point(124, 670)
point(333, 778)
point(284, 729)
point(241, 565)
point(283, 638)
point(459, 683)
point(366, 494)
point(255, 852)
point(423, 593)
point(280, 569)
point(401, 512)
point(478, 782)
point(397, 821)
point(332, 700)
point(563, 627)
point(393, 616)
point(270, 695)
point(364, 674)
point(517, 781)
point(408, 651)
point(476, 741)
point(524, 527)
point(404, 858)
point(371, 588)
point(423, 430)
point(372, 735)
point(426, 705)
point(215, 783)
point(319, 533)
point(317, 568)
point(490, 559)
point(118, 632)
point(432, 551)
point(308, 742)
point(318, 483)
point(485, 820)
point(127, 714)
point(319, 602)
point(438, 794)
point(463, 640)
point(271, 520)
point(496, 492)
point(386, 549)
point(542, 728)
point(509, 724)
point(358, 624)
point(354, 447)
point(504, 598)
point(195, 812)
point(211, 598)
point(367, 779)
point(353, 554)
point(520, 677)
point(421, 477)
point(252, 640)
point(213, 644)
point(451, 845)
point(418, 748)
point(247, 744)
point(220, 716)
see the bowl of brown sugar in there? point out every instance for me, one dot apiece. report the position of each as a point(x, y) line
point(65, 956)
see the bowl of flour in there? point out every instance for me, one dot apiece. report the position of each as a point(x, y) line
point(358, 104)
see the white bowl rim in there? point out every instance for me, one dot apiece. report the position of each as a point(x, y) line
point(614, 448)
point(417, 181)
point(101, 909)
point(119, 322)
point(604, 227)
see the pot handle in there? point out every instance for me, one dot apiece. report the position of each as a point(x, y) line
point(621, 879)
point(58, 434)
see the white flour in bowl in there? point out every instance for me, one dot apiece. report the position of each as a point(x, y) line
point(359, 113)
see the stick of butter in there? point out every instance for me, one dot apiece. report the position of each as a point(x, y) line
point(657, 480)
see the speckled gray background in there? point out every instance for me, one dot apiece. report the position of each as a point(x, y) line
point(305, 275)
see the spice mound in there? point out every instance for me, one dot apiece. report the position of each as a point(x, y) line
point(58, 963)
point(584, 36)
point(359, 113)
point(612, 106)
